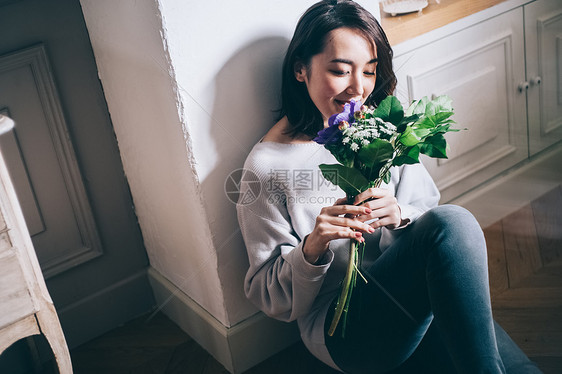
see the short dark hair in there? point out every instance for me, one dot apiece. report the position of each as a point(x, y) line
point(309, 40)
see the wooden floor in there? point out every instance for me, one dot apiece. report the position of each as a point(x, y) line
point(525, 261)
point(525, 251)
point(157, 346)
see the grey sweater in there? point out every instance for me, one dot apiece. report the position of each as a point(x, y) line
point(275, 220)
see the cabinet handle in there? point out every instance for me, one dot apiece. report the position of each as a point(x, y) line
point(523, 86)
point(537, 80)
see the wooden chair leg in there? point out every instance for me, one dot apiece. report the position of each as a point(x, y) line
point(50, 327)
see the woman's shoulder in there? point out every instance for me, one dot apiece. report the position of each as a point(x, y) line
point(278, 150)
point(268, 155)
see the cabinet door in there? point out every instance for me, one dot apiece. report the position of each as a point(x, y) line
point(479, 68)
point(543, 37)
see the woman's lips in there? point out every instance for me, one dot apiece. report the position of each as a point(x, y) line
point(343, 102)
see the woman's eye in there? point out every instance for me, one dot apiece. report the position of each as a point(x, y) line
point(370, 73)
point(339, 72)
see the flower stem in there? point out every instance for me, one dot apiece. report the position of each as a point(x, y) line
point(345, 293)
point(378, 182)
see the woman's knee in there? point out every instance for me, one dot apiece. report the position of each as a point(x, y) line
point(451, 216)
point(456, 229)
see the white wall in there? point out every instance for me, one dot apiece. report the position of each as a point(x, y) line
point(191, 86)
point(227, 57)
point(135, 72)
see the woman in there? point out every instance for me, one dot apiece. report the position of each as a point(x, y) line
point(428, 297)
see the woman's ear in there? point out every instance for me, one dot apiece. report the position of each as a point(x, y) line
point(300, 71)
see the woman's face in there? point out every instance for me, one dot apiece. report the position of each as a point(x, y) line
point(344, 70)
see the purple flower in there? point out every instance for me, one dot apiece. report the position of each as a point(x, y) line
point(332, 133)
point(328, 135)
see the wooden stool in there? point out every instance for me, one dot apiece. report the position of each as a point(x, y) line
point(27, 308)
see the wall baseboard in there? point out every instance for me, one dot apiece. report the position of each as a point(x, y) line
point(106, 309)
point(237, 348)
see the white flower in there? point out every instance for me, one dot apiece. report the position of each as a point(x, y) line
point(349, 131)
point(354, 147)
point(387, 131)
point(346, 140)
point(360, 134)
point(365, 142)
point(379, 121)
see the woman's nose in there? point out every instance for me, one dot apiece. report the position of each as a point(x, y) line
point(355, 85)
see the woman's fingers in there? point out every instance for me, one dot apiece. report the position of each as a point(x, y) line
point(346, 221)
point(371, 193)
point(338, 210)
point(345, 233)
point(345, 217)
point(341, 201)
point(380, 209)
point(384, 207)
point(352, 223)
point(335, 222)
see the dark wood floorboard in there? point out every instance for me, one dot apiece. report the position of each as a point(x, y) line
point(525, 257)
point(157, 346)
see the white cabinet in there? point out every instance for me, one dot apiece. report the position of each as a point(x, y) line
point(480, 68)
point(543, 37)
point(505, 78)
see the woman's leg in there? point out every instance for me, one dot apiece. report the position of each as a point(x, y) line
point(436, 267)
point(432, 356)
point(514, 360)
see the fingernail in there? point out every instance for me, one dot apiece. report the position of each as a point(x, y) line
point(358, 235)
point(368, 211)
point(371, 230)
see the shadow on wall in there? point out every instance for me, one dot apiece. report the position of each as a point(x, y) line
point(247, 97)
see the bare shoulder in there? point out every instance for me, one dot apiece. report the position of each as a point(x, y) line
point(278, 134)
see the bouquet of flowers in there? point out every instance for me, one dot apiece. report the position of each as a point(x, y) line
point(367, 142)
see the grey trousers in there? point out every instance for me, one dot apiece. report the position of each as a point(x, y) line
point(426, 307)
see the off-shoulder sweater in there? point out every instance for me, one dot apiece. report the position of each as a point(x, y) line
point(281, 196)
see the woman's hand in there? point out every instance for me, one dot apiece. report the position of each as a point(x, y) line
point(383, 205)
point(339, 221)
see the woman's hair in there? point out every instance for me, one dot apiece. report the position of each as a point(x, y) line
point(309, 40)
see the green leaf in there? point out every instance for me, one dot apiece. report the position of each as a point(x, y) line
point(409, 137)
point(441, 103)
point(434, 120)
point(344, 155)
point(411, 118)
point(422, 133)
point(410, 156)
point(379, 150)
point(435, 146)
point(373, 157)
point(417, 107)
point(386, 177)
point(428, 107)
point(348, 179)
point(390, 110)
point(406, 121)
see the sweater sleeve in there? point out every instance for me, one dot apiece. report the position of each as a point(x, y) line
point(415, 191)
point(279, 281)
